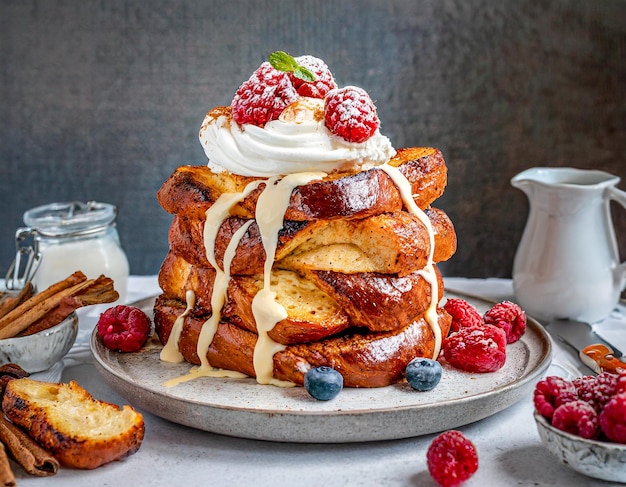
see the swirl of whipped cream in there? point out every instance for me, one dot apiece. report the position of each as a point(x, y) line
point(297, 142)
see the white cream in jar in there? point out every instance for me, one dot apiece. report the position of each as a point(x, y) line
point(76, 236)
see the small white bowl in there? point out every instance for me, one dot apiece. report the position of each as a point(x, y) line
point(40, 351)
point(597, 459)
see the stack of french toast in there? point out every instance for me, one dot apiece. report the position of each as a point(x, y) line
point(349, 269)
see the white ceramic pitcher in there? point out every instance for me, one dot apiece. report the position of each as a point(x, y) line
point(567, 263)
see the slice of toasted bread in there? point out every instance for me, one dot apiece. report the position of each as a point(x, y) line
point(364, 359)
point(391, 243)
point(312, 314)
point(191, 190)
point(80, 431)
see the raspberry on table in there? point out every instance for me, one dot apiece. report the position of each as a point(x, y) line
point(263, 97)
point(578, 418)
point(613, 419)
point(324, 80)
point(598, 390)
point(350, 113)
point(451, 459)
point(480, 349)
point(464, 315)
point(508, 316)
point(124, 328)
point(552, 392)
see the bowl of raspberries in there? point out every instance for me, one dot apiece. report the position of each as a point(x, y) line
point(582, 422)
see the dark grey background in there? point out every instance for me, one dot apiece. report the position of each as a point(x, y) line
point(103, 99)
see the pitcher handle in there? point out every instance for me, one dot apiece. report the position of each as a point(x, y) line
point(619, 196)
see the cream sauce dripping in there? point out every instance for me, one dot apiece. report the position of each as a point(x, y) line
point(270, 210)
point(170, 352)
point(215, 216)
point(428, 272)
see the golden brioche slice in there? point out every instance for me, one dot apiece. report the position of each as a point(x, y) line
point(80, 431)
point(318, 303)
point(391, 243)
point(312, 314)
point(364, 359)
point(191, 190)
point(378, 302)
point(177, 276)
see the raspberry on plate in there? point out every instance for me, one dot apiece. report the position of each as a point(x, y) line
point(124, 328)
point(263, 97)
point(508, 316)
point(350, 113)
point(550, 393)
point(479, 349)
point(323, 83)
point(451, 458)
point(578, 418)
point(464, 315)
point(613, 418)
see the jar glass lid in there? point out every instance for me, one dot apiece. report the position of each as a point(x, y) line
point(70, 218)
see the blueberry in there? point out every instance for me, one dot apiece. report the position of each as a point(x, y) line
point(323, 383)
point(423, 374)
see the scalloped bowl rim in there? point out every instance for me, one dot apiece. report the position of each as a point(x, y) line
point(67, 328)
point(616, 472)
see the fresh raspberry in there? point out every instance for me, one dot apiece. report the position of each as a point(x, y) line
point(451, 458)
point(578, 418)
point(124, 328)
point(621, 381)
point(324, 81)
point(596, 391)
point(464, 315)
point(550, 393)
point(263, 97)
point(508, 316)
point(481, 349)
point(350, 113)
point(613, 418)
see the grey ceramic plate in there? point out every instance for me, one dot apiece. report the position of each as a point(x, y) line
point(242, 408)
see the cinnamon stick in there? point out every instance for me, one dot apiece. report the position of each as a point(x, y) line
point(101, 291)
point(7, 477)
point(39, 298)
point(9, 303)
point(26, 451)
point(29, 312)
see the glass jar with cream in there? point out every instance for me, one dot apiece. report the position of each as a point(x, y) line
point(68, 237)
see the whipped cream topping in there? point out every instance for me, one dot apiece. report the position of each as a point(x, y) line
point(297, 142)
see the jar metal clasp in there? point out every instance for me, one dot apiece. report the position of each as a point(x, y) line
point(27, 259)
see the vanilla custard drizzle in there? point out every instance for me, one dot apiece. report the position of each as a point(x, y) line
point(215, 216)
point(170, 352)
point(428, 272)
point(270, 210)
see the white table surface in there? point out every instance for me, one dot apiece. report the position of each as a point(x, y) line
point(509, 449)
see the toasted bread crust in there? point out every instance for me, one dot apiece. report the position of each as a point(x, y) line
point(191, 190)
point(378, 302)
point(318, 303)
point(364, 360)
point(391, 243)
point(80, 431)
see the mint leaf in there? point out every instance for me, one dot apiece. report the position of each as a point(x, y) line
point(282, 61)
point(304, 74)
